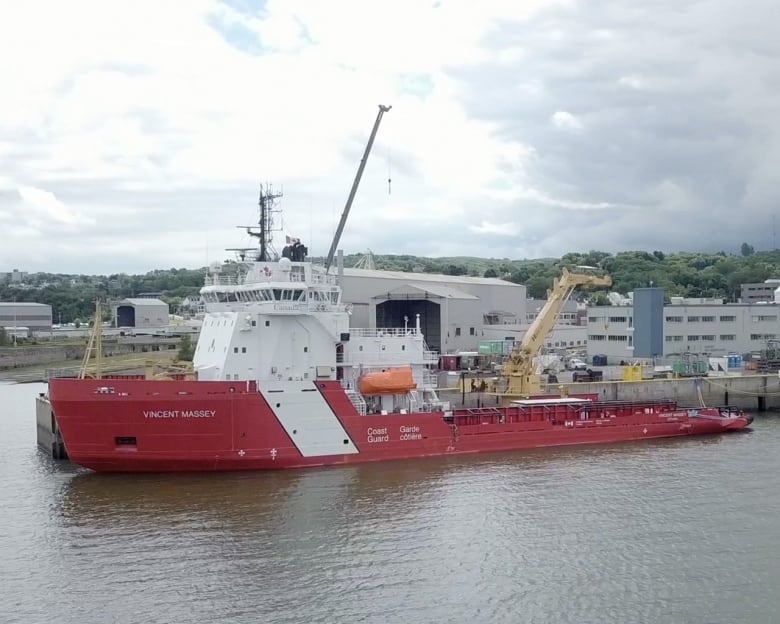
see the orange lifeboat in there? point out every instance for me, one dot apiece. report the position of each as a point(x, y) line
point(390, 381)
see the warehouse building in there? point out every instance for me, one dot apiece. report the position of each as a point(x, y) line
point(36, 317)
point(141, 313)
point(454, 310)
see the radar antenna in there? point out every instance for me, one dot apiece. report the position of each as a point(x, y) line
point(268, 207)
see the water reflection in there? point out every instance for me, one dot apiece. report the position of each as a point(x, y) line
point(652, 531)
point(287, 498)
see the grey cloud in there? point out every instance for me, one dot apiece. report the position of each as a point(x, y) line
point(677, 150)
point(696, 111)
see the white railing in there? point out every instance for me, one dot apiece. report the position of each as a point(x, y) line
point(430, 379)
point(223, 280)
point(358, 401)
point(378, 357)
point(384, 332)
point(319, 278)
point(431, 357)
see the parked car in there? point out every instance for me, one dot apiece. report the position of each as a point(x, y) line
point(576, 364)
point(588, 375)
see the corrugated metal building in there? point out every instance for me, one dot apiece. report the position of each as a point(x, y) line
point(35, 316)
point(141, 313)
point(453, 309)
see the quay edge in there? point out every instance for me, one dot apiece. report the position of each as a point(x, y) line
point(753, 393)
point(47, 432)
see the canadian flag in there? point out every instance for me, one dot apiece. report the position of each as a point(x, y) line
point(287, 240)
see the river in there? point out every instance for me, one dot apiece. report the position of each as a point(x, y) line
point(663, 531)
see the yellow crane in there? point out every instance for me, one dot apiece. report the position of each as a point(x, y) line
point(521, 378)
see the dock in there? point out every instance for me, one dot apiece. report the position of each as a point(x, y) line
point(47, 432)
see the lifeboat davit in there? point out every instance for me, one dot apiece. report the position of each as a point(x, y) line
point(390, 381)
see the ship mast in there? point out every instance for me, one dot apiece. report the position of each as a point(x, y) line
point(95, 343)
point(267, 203)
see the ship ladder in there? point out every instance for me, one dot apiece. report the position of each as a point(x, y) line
point(697, 383)
point(414, 401)
point(358, 401)
point(455, 434)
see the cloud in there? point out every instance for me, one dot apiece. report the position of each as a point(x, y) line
point(564, 120)
point(529, 129)
point(38, 203)
point(498, 229)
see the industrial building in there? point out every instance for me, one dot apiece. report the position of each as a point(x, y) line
point(572, 312)
point(763, 292)
point(454, 310)
point(141, 313)
point(457, 312)
point(703, 326)
point(35, 317)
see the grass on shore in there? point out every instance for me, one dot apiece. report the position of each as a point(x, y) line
point(127, 362)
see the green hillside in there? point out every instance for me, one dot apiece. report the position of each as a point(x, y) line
point(681, 274)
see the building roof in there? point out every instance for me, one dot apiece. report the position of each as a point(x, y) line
point(133, 301)
point(23, 303)
point(426, 277)
point(417, 290)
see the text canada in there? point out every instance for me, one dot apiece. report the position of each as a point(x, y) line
point(179, 413)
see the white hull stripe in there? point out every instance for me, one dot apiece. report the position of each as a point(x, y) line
point(307, 418)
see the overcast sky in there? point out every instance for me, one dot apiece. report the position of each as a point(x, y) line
point(134, 135)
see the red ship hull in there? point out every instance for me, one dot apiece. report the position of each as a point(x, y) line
point(122, 425)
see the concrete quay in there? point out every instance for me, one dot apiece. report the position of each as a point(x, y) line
point(748, 392)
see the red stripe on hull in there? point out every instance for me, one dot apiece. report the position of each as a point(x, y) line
point(133, 426)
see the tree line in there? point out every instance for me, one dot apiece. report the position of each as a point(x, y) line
point(686, 274)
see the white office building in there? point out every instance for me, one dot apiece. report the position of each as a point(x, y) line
point(706, 327)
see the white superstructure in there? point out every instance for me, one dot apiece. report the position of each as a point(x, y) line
point(284, 321)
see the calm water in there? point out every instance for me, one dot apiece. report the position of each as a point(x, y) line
point(671, 531)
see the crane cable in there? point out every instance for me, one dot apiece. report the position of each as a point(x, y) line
point(389, 172)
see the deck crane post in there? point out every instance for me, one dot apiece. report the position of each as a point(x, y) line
point(337, 236)
point(521, 378)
